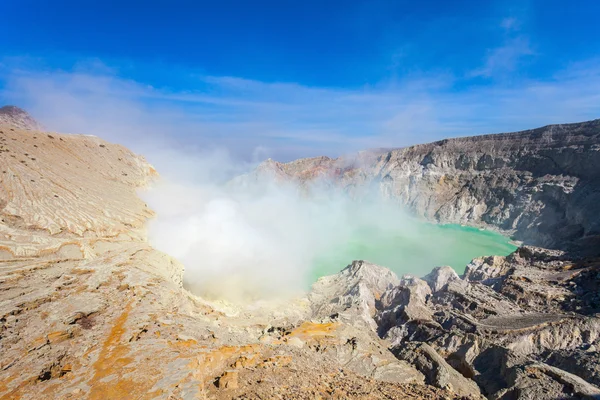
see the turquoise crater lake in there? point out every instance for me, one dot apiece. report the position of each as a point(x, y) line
point(416, 251)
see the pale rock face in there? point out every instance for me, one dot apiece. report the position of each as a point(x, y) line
point(437, 371)
point(406, 302)
point(486, 269)
point(440, 277)
point(469, 335)
point(356, 287)
point(497, 329)
point(77, 193)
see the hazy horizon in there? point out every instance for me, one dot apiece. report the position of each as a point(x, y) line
point(252, 80)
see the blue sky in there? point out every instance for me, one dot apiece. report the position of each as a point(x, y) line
point(299, 78)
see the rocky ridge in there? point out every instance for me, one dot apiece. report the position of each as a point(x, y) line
point(525, 326)
point(540, 185)
point(18, 118)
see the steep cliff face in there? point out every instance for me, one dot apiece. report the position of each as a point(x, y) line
point(541, 185)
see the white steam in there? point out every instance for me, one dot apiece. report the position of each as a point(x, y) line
point(243, 238)
point(246, 239)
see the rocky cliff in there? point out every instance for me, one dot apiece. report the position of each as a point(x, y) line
point(526, 326)
point(541, 186)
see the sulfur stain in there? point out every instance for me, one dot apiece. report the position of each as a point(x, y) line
point(210, 363)
point(4, 387)
point(16, 394)
point(184, 343)
point(113, 364)
point(309, 330)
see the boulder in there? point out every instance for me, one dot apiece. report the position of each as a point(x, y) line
point(352, 293)
point(436, 370)
point(440, 277)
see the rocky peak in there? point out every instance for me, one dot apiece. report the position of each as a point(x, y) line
point(18, 118)
point(354, 290)
point(376, 278)
point(440, 277)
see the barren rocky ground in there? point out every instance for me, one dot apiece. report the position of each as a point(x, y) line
point(88, 309)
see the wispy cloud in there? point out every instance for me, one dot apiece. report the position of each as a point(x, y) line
point(510, 23)
point(505, 58)
point(289, 120)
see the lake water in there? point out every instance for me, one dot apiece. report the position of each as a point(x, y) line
point(416, 251)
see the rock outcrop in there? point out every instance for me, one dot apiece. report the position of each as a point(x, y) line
point(519, 327)
point(437, 371)
point(17, 118)
point(353, 292)
point(539, 185)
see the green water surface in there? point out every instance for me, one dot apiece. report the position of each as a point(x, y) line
point(413, 251)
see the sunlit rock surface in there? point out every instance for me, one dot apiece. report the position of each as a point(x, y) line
point(89, 310)
point(524, 326)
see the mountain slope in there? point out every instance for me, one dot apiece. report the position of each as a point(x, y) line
point(18, 118)
point(88, 309)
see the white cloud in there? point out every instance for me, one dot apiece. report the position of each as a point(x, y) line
point(504, 59)
point(510, 23)
point(289, 120)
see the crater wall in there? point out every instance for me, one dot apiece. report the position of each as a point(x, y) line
point(541, 185)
